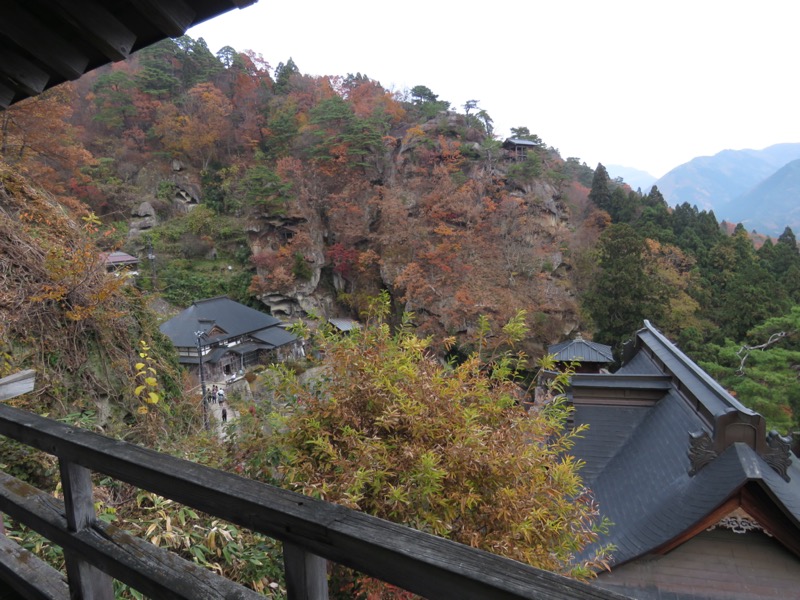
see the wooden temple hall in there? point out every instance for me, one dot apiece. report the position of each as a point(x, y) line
point(705, 502)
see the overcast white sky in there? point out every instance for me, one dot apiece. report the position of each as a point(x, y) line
point(643, 84)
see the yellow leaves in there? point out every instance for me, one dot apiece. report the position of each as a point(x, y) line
point(414, 344)
point(50, 292)
point(412, 133)
point(91, 220)
point(444, 230)
point(147, 389)
point(445, 449)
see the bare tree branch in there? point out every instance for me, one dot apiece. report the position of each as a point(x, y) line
point(744, 351)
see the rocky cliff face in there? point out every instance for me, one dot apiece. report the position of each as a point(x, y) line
point(449, 238)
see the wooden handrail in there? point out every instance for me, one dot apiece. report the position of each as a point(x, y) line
point(421, 563)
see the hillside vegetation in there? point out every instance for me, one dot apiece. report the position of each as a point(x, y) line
point(317, 192)
point(311, 196)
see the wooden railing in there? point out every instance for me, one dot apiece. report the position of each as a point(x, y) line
point(312, 532)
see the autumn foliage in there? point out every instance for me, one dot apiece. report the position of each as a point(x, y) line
point(447, 450)
point(63, 314)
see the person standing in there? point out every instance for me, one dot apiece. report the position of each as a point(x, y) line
point(224, 408)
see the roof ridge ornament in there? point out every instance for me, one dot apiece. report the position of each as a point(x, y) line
point(778, 453)
point(701, 451)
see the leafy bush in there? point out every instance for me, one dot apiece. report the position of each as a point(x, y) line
point(390, 431)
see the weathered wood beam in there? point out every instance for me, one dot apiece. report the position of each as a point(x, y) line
point(6, 95)
point(421, 563)
point(154, 571)
point(17, 384)
point(41, 42)
point(28, 575)
point(243, 3)
point(22, 73)
point(84, 578)
point(100, 27)
point(173, 18)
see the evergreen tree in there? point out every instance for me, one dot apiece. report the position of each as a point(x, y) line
point(600, 193)
point(622, 205)
point(157, 76)
point(283, 76)
point(421, 94)
point(197, 63)
point(784, 262)
point(427, 103)
point(654, 220)
point(786, 254)
point(741, 292)
point(622, 294)
point(113, 99)
point(761, 372)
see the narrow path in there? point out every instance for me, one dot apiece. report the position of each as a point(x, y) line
point(215, 418)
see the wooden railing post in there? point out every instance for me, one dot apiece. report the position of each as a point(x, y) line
point(10, 387)
point(306, 574)
point(85, 581)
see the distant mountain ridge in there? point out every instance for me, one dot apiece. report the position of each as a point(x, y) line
point(635, 178)
point(772, 204)
point(754, 187)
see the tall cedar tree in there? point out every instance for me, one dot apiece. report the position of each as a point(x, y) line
point(600, 194)
point(622, 293)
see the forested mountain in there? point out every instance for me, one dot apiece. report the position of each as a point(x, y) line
point(315, 192)
point(729, 183)
point(310, 195)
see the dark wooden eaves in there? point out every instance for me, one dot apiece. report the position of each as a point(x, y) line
point(46, 42)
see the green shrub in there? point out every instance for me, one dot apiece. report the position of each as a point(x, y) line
point(301, 269)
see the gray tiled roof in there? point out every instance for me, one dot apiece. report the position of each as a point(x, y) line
point(698, 382)
point(610, 426)
point(245, 348)
point(275, 337)
point(637, 456)
point(581, 350)
point(343, 324)
point(521, 142)
point(232, 317)
point(120, 258)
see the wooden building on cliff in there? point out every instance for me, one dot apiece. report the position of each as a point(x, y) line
point(517, 149)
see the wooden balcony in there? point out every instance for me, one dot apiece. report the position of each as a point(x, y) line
point(312, 532)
